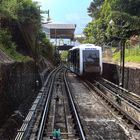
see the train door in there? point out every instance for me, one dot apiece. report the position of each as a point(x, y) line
point(76, 60)
point(70, 60)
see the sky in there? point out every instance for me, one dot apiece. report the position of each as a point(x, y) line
point(67, 11)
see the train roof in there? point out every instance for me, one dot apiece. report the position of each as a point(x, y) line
point(82, 46)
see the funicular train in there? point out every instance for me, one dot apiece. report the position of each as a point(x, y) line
point(85, 59)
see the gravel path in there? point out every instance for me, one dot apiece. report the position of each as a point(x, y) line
point(98, 121)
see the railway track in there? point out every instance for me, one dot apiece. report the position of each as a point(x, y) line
point(123, 93)
point(55, 116)
point(128, 110)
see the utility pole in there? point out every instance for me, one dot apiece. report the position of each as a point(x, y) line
point(122, 62)
point(122, 55)
point(36, 59)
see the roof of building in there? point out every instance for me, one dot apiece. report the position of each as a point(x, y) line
point(60, 26)
point(65, 31)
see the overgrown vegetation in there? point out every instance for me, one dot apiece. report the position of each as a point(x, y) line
point(114, 22)
point(46, 48)
point(20, 30)
point(9, 47)
point(64, 55)
point(132, 54)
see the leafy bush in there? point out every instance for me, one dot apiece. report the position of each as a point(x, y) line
point(124, 16)
point(46, 48)
point(6, 39)
point(9, 47)
point(64, 55)
point(12, 53)
point(22, 17)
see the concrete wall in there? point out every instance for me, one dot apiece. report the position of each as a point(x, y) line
point(17, 87)
point(132, 76)
point(17, 83)
point(17, 92)
point(132, 79)
point(111, 72)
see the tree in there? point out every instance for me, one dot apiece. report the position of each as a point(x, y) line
point(8, 9)
point(46, 48)
point(94, 8)
point(125, 16)
point(29, 23)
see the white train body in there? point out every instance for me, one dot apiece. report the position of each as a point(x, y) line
point(85, 59)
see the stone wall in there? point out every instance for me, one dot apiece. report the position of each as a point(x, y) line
point(18, 90)
point(111, 72)
point(17, 83)
point(132, 79)
point(17, 87)
point(132, 76)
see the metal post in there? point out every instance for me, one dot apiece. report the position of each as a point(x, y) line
point(48, 13)
point(123, 56)
point(36, 50)
point(122, 63)
point(55, 38)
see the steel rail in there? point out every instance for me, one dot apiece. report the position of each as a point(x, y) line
point(113, 93)
point(76, 116)
point(55, 106)
point(134, 121)
point(120, 87)
point(24, 131)
point(46, 108)
point(129, 96)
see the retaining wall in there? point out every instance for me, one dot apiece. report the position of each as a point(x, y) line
point(131, 75)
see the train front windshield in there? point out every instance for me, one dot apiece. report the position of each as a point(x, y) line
point(91, 57)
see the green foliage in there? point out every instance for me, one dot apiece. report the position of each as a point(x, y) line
point(64, 55)
point(131, 54)
point(5, 39)
point(46, 48)
point(124, 25)
point(28, 12)
point(11, 52)
point(125, 15)
point(94, 8)
point(95, 32)
point(9, 47)
point(22, 16)
point(29, 21)
point(81, 39)
point(8, 9)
